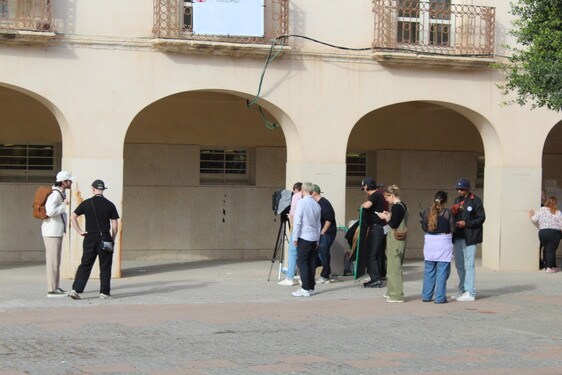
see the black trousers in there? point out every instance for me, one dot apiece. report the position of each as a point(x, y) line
point(374, 246)
point(550, 239)
point(307, 251)
point(91, 250)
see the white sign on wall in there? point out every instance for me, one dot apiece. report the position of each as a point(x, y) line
point(229, 17)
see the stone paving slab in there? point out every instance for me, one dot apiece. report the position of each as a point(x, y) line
point(226, 318)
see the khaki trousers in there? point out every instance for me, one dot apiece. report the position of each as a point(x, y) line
point(53, 250)
point(394, 259)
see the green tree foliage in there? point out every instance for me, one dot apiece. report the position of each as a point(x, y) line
point(534, 71)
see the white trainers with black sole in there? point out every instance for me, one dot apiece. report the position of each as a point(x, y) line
point(74, 295)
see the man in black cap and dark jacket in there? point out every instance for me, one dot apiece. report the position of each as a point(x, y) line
point(469, 217)
point(101, 225)
point(375, 239)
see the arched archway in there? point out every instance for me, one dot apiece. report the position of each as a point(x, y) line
point(199, 172)
point(30, 154)
point(551, 162)
point(422, 147)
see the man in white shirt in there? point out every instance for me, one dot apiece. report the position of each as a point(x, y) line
point(306, 234)
point(53, 229)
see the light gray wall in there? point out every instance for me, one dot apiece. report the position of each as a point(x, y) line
point(169, 216)
point(20, 232)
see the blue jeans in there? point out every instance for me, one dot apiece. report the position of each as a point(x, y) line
point(324, 245)
point(292, 261)
point(464, 261)
point(435, 278)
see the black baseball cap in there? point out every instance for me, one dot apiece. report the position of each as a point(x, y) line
point(369, 182)
point(99, 185)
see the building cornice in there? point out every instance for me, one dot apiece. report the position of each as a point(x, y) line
point(25, 38)
point(434, 61)
point(239, 50)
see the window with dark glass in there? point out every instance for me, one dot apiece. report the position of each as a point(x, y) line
point(480, 164)
point(21, 161)
point(356, 164)
point(188, 16)
point(224, 165)
point(424, 22)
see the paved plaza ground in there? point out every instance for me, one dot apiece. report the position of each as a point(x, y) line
point(226, 318)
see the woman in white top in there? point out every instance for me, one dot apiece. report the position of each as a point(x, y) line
point(549, 219)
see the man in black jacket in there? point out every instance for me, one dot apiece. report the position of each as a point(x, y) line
point(328, 231)
point(469, 217)
point(375, 236)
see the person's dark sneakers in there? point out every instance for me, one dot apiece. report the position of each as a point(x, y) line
point(74, 295)
point(373, 284)
point(440, 302)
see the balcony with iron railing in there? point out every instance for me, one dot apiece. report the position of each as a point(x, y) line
point(174, 22)
point(25, 21)
point(433, 31)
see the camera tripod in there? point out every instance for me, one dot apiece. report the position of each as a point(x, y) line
point(281, 238)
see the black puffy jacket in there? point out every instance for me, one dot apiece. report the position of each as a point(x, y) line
point(471, 211)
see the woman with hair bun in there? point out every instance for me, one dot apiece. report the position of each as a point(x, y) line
point(438, 223)
point(549, 220)
point(397, 220)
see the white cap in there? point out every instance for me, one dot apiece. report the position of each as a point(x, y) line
point(64, 175)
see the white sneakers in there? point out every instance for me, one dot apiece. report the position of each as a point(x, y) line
point(74, 295)
point(466, 297)
point(301, 293)
point(322, 280)
point(287, 282)
point(459, 293)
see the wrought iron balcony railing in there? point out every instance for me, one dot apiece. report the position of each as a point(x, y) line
point(434, 27)
point(26, 15)
point(174, 19)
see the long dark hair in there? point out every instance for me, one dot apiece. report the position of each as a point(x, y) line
point(436, 208)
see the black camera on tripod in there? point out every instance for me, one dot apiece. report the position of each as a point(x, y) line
point(281, 203)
